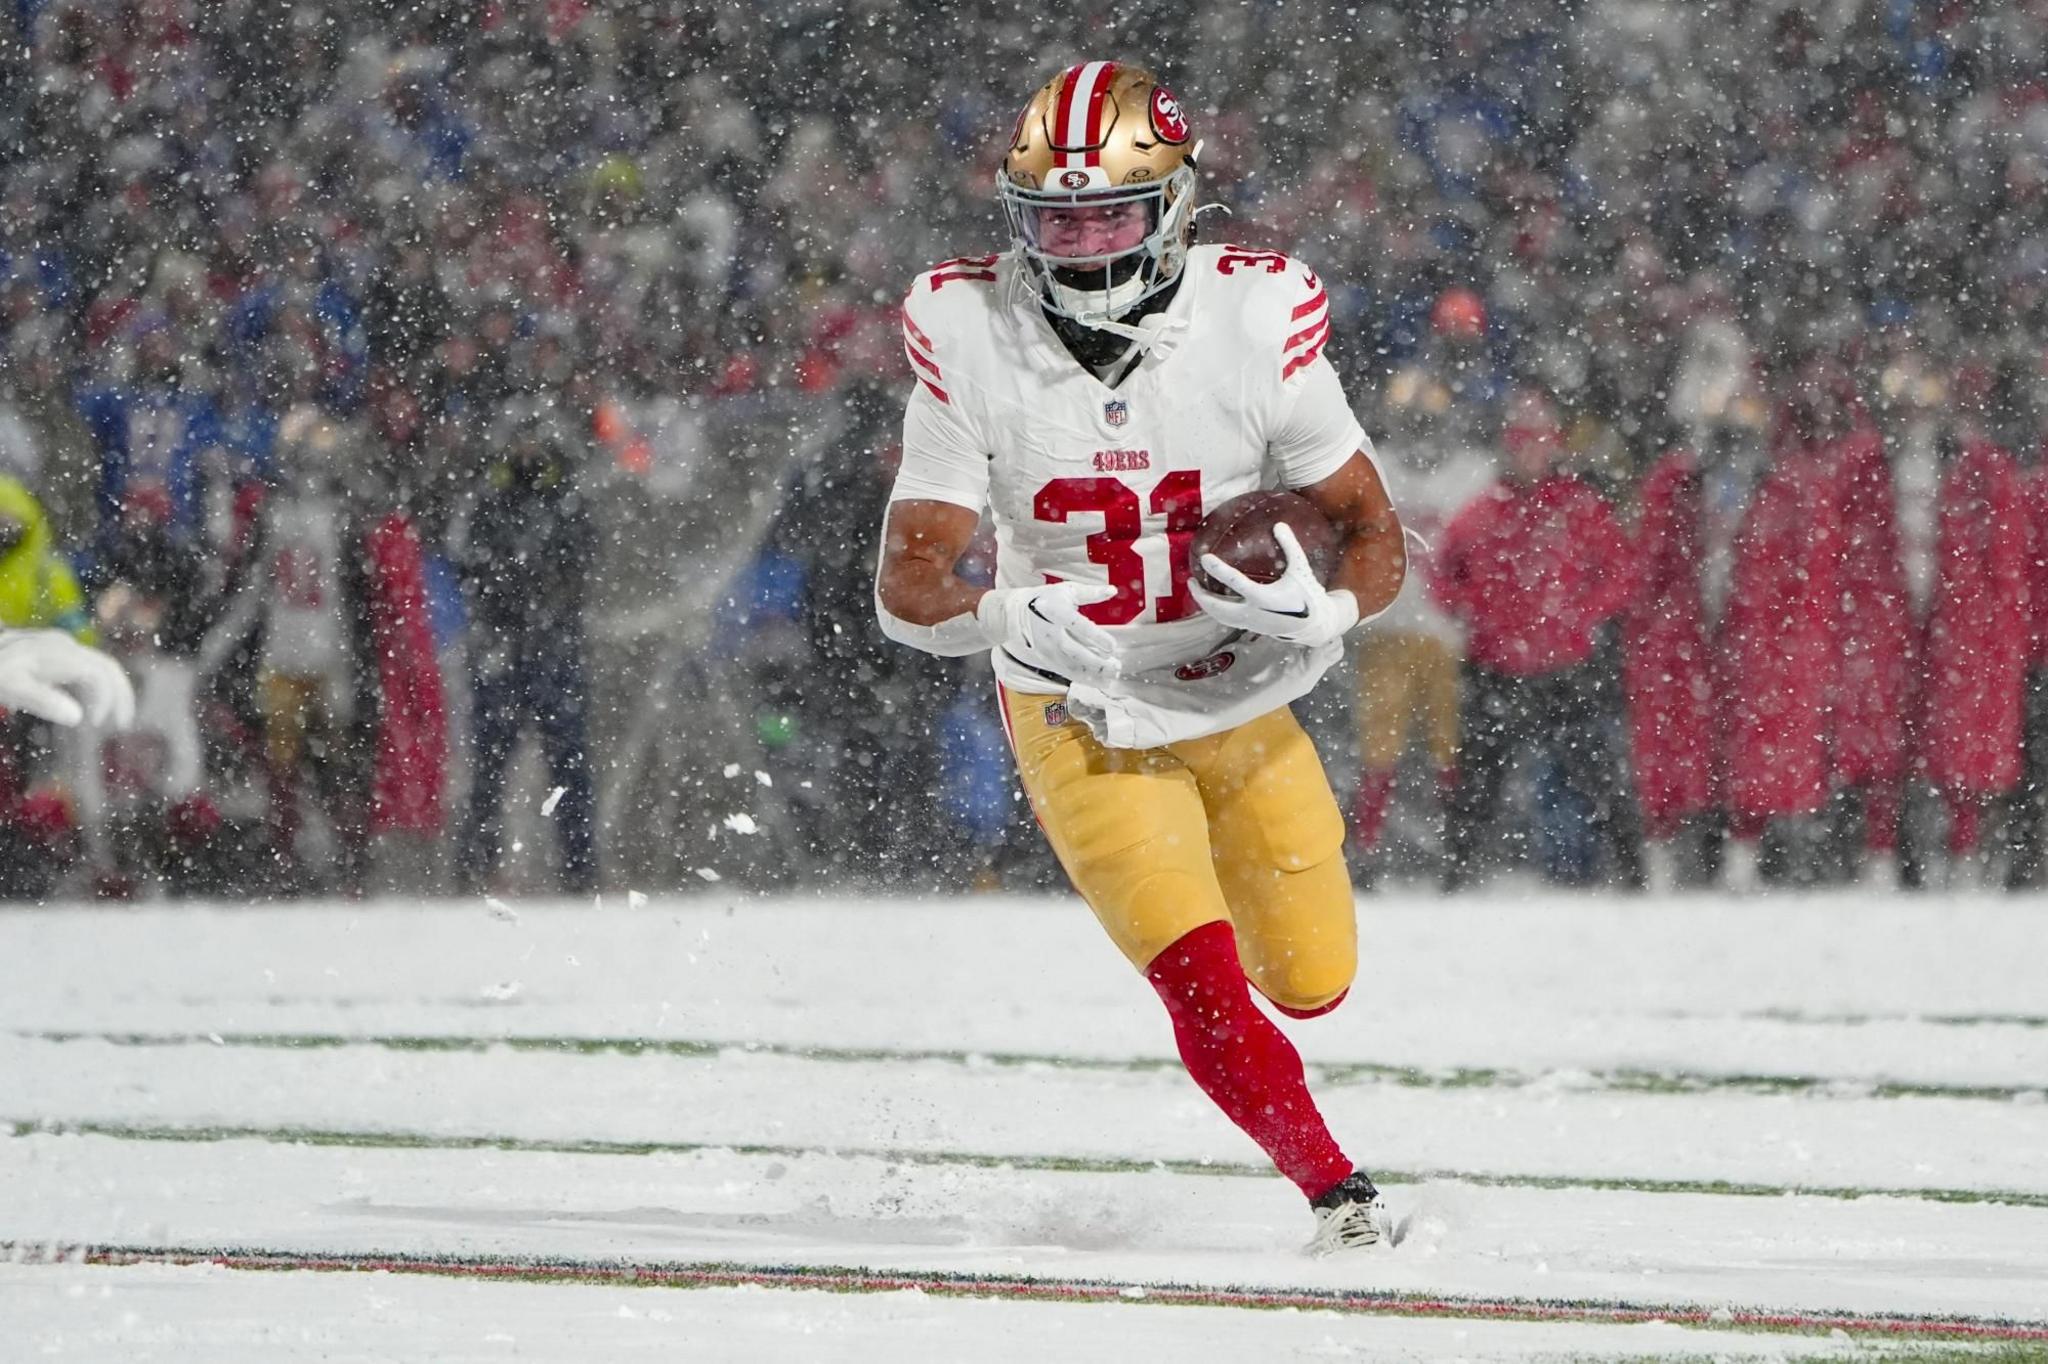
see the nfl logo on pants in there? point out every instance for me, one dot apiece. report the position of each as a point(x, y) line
point(1116, 411)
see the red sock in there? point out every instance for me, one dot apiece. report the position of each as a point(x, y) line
point(1241, 1061)
point(1369, 811)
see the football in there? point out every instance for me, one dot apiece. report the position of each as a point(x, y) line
point(1240, 533)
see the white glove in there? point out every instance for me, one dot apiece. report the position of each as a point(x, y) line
point(39, 669)
point(1293, 607)
point(1044, 628)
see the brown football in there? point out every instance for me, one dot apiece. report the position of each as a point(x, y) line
point(1240, 533)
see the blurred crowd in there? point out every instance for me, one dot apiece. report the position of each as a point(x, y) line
point(358, 363)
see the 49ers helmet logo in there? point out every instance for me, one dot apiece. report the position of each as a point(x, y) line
point(1073, 179)
point(1167, 119)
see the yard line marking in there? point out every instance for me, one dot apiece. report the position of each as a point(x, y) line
point(1622, 1080)
point(854, 1279)
point(1821, 1019)
point(1065, 1164)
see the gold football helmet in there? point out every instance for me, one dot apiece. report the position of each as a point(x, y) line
point(1100, 136)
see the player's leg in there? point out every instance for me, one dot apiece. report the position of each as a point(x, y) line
point(1488, 725)
point(284, 700)
point(1130, 828)
point(563, 695)
point(494, 729)
point(341, 768)
point(1276, 840)
point(1126, 824)
point(1587, 743)
point(1437, 665)
point(1385, 703)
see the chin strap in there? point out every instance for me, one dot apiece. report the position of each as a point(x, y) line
point(1152, 332)
point(1118, 298)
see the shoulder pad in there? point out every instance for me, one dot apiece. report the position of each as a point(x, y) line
point(934, 309)
point(1284, 303)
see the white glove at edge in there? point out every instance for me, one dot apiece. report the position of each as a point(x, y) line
point(1044, 628)
point(1293, 607)
point(40, 669)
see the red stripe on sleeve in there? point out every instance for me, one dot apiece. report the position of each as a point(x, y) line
point(1307, 333)
point(1306, 358)
point(1321, 298)
point(915, 333)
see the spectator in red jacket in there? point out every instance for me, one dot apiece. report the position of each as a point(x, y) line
point(1874, 683)
point(1534, 566)
point(1667, 672)
point(1979, 635)
point(1777, 648)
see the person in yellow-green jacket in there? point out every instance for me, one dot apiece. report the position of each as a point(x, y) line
point(46, 672)
point(37, 588)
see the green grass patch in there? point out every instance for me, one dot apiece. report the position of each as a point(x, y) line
point(1073, 1164)
point(1624, 1081)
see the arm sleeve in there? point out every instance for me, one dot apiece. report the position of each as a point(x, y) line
point(943, 461)
point(1317, 432)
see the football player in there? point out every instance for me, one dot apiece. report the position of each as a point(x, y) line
point(1097, 388)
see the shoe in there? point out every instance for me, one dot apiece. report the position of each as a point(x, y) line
point(1349, 1217)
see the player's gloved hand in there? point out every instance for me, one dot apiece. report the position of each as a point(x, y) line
point(41, 669)
point(1294, 606)
point(1044, 627)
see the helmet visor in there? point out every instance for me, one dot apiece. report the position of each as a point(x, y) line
point(1083, 230)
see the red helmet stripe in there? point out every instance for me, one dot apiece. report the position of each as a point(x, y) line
point(1079, 108)
point(1096, 96)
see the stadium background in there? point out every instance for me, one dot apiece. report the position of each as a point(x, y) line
point(253, 255)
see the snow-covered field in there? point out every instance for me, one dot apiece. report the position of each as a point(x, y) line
point(1607, 1128)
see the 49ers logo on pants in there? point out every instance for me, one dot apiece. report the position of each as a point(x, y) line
point(1205, 667)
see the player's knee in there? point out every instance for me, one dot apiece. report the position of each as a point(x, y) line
point(1307, 981)
point(1305, 954)
point(1159, 910)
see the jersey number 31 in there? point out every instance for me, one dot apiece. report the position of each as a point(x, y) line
point(1177, 497)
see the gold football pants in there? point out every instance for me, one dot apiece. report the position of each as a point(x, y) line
point(1159, 841)
point(1407, 682)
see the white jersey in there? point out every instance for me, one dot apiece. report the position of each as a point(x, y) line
point(1093, 484)
point(307, 635)
point(1431, 494)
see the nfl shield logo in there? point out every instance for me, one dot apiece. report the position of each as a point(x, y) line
point(1116, 411)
